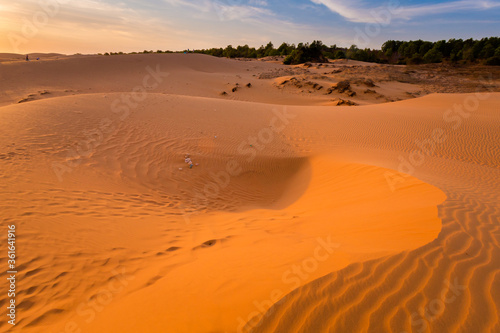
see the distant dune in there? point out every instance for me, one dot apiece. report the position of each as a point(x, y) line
point(13, 57)
point(296, 216)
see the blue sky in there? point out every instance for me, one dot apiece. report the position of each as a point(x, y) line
point(90, 26)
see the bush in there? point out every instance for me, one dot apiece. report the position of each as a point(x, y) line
point(493, 61)
point(285, 49)
point(306, 53)
point(497, 52)
point(340, 54)
point(415, 60)
point(433, 56)
point(291, 59)
point(230, 52)
point(274, 53)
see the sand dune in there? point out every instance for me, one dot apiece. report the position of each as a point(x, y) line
point(297, 217)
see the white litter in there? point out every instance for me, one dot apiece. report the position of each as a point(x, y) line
point(188, 161)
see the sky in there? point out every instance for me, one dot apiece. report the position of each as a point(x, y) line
point(90, 26)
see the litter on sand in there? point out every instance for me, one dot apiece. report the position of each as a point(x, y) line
point(188, 160)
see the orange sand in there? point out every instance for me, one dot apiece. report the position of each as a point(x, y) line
point(326, 215)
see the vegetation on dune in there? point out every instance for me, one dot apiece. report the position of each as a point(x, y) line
point(304, 53)
point(457, 51)
point(249, 52)
point(485, 51)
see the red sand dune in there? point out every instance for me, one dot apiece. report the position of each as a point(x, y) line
point(298, 218)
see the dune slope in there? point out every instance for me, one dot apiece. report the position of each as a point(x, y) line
point(293, 219)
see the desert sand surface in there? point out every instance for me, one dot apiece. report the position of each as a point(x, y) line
point(299, 214)
point(14, 57)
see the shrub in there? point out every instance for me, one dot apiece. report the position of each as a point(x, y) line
point(340, 54)
point(289, 59)
point(274, 53)
point(230, 52)
point(306, 53)
point(497, 52)
point(493, 61)
point(433, 56)
point(415, 60)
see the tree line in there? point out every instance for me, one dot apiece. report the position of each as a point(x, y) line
point(485, 51)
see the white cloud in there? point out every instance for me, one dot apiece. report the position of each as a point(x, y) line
point(357, 11)
point(226, 12)
point(261, 3)
point(227, 9)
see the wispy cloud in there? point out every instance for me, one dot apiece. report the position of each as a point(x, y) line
point(359, 11)
point(225, 9)
point(232, 12)
point(131, 25)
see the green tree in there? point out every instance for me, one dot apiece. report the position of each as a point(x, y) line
point(230, 52)
point(351, 51)
point(285, 49)
point(433, 56)
point(488, 51)
point(497, 52)
point(424, 48)
point(304, 53)
point(268, 49)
